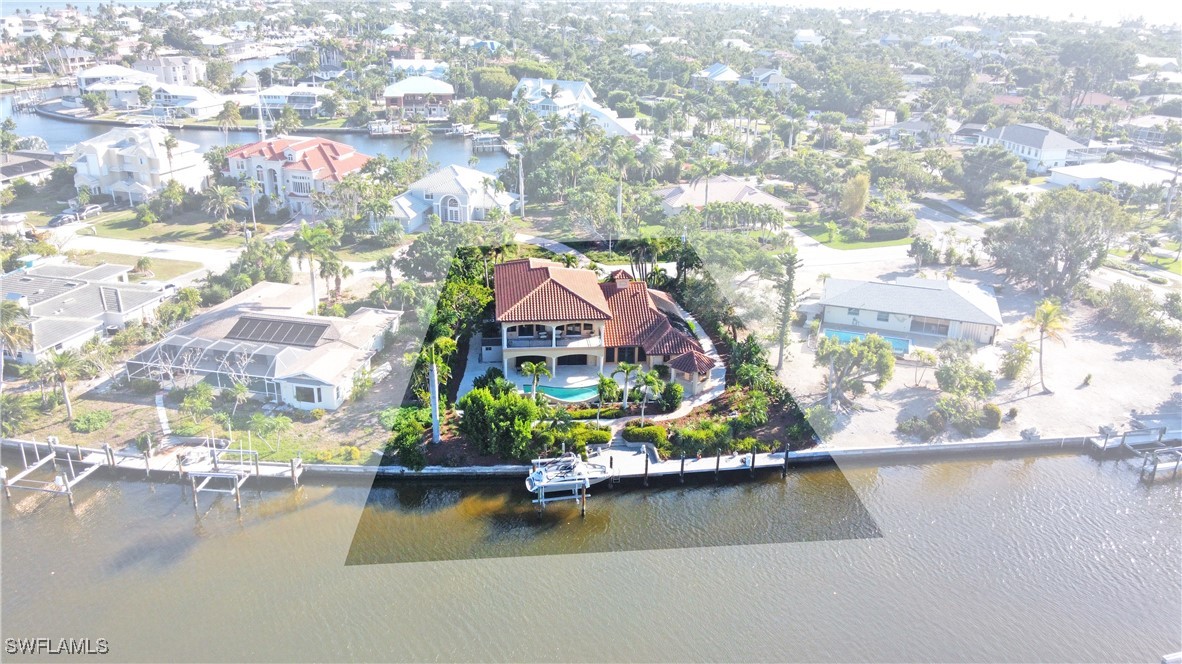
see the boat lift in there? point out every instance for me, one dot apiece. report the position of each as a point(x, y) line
point(567, 473)
point(63, 482)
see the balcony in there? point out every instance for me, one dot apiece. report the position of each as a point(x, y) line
point(578, 341)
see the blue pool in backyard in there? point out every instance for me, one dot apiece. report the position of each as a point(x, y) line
point(900, 346)
point(572, 394)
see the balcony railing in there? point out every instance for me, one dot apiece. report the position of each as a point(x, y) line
point(589, 341)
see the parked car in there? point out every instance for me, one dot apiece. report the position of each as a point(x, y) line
point(62, 220)
point(90, 211)
point(13, 218)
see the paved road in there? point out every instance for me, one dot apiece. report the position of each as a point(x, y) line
point(216, 260)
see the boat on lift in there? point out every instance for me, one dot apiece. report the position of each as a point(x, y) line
point(567, 473)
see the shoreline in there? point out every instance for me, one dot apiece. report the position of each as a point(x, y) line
point(918, 454)
point(306, 131)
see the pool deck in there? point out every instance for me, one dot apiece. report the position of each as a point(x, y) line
point(923, 341)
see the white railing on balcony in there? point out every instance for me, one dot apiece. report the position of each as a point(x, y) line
point(576, 341)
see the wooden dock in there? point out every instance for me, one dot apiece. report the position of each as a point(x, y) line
point(199, 465)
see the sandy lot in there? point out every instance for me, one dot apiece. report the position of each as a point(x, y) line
point(1127, 375)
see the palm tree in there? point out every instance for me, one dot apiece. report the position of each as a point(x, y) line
point(383, 295)
point(1051, 323)
point(628, 370)
point(170, 143)
point(230, 117)
point(63, 367)
point(434, 355)
point(584, 127)
point(221, 199)
point(386, 265)
point(650, 383)
point(418, 141)
point(15, 332)
point(650, 160)
point(143, 265)
point(312, 243)
point(254, 187)
point(240, 393)
point(703, 171)
point(535, 370)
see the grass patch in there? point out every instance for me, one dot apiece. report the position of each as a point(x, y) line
point(180, 228)
point(819, 233)
point(1148, 262)
point(363, 251)
point(39, 206)
point(163, 269)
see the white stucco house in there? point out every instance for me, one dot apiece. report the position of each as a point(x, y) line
point(293, 168)
point(455, 194)
point(173, 69)
point(133, 165)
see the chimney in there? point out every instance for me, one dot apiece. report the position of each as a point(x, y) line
point(622, 282)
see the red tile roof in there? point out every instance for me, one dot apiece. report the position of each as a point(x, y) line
point(692, 362)
point(533, 289)
point(536, 290)
point(325, 159)
point(636, 321)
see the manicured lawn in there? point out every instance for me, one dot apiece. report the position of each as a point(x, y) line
point(363, 252)
point(39, 207)
point(163, 269)
point(821, 234)
point(1149, 261)
point(179, 228)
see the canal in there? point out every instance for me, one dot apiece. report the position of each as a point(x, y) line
point(1056, 558)
point(60, 135)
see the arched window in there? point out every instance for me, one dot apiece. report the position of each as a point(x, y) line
point(453, 209)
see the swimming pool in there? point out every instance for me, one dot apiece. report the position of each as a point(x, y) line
point(900, 346)
point(572, 394)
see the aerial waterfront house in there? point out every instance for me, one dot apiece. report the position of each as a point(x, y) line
point(925, 309)
point(1040, 147)
point(132, 165)
point(187, 101)
point(70, 304)
point(1149, 128)
point(455, 194)
point(292, 169)
point(173, 69)
point(264, 338)
point(580, 328)
point(304, 98)
point(422, 96)
point(806, 38)
point(120, 84)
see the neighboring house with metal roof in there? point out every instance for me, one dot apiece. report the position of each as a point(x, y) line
point(934, 308)
point(132, 164)
point(1117, 173)
point(70, 304)
point(1040, 147)
point(716, 73)
point(571, 99)
point(454, 193)
point(767, 78)
point(419, 67)
point(262, 338)
point(564, 317)
point(722, 189)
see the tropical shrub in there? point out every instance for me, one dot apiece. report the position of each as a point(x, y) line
point(318, 413)
point(991, 416)
point(91, 421)
point(653, 433)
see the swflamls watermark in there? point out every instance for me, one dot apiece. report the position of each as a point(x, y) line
point(47, 646)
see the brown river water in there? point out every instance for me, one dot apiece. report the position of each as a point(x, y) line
point(1037, 559)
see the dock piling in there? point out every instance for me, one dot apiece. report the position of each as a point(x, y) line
point(784, 470)
point(646, 466)
point(752, 463)
point(717, 463)
point(4, 481)
point(681, 475)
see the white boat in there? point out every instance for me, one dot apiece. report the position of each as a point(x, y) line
point(567, 473)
